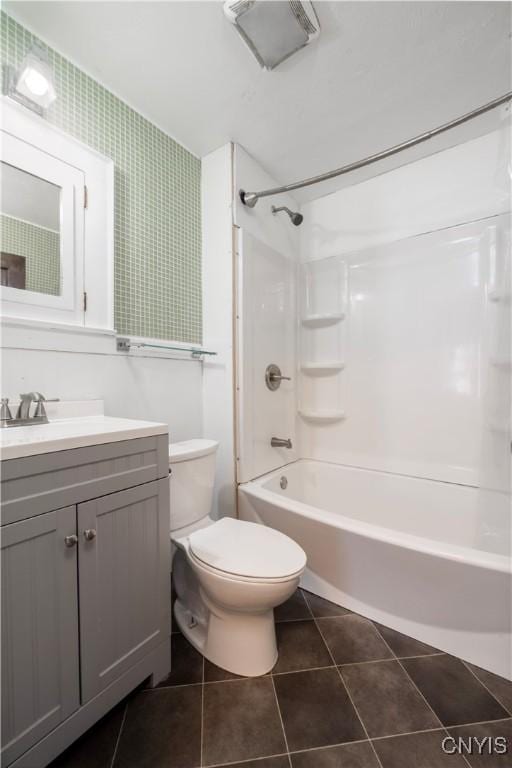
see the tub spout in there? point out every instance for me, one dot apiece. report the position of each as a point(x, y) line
point(280, 442)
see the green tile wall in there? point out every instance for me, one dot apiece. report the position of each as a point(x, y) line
point(157, 227)
point(41, 249)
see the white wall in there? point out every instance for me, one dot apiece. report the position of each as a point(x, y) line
point(419, 337)
point(218, 304)
point(266, 326)
point(134, 386)
point(266, 334)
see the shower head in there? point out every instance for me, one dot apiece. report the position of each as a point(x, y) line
point(296, 218)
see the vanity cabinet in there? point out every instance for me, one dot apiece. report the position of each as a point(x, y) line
point(40, 666)
point(85, 590)
point(124, 591)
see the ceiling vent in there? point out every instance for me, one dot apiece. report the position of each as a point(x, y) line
point(273, 30)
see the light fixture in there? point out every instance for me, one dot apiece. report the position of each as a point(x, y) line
point(275, 30)
point(33, 83)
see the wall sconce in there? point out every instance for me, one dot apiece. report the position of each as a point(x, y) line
point(33, 83)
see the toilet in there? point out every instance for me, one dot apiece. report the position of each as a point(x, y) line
point(229, 575)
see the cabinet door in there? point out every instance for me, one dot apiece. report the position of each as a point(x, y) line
point(40, 673)
point(124, 584)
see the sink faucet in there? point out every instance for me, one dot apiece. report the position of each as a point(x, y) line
point(26, 401)
point(280, 442)
point(23, 417)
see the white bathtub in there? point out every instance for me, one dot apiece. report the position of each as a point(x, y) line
point(426, 558)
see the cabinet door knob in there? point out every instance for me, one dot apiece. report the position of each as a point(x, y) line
point(89, 534)
point(70, 541)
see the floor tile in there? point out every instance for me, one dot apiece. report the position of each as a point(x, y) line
point(403, 645)
point(321, 607)
point(352, 639)
point(266, 762)
point(241, 721)
point(162, 729)
point(417, 750)
point(452, 690)
point(95, 749)
point(500, 688)
point(316, 709)
point(300, 646)
point(489, 736)
point(215, 674)
point(186, 663)
point(359, 755)
point(294, 608)
point(386, 700)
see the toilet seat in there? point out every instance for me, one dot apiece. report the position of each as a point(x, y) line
point(236, 577)
point(244, 551)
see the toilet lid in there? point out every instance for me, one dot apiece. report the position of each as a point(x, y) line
point(247, 549)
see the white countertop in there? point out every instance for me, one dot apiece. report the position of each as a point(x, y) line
point(61, 434)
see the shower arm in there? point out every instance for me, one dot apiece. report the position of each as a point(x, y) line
point(251, 198)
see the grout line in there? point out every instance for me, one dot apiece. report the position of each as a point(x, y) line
point(291, 621)
point(305, 596)
point(202, 715)
point(248, 760)
point(349, 695)
point(479, 722)
point(486, 688)
point(306, 669)
point(408, 676)
point(331, 746)
point(281, 721)
point(387, 658)
point(119, 735)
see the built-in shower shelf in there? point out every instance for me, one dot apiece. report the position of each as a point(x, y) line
point(499, 296)
point(329, 318)
point(322, 369)
point(502, 363)
point(326, 416)
point(500, 428)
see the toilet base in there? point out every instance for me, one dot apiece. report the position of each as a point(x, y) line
point(241, 643)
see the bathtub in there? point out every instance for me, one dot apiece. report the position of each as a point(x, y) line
point(426, 558)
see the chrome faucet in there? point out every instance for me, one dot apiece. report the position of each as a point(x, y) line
point(281, 442)
point(23, 417)
point(26, 401)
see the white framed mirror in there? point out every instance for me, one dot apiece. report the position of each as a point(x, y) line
point(56, 225)
point(41, 236)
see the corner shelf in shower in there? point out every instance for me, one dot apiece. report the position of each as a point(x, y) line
point(320, 369)
point(501, 363)
point(316, 321)
point(503, 297)
point(326, 416)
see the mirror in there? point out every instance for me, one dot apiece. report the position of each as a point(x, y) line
point(29, 232)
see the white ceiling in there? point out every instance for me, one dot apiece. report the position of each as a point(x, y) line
point(380, 73)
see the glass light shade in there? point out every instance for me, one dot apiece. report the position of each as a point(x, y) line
point(35, 80)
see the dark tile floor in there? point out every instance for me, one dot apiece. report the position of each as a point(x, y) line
point(345, 693)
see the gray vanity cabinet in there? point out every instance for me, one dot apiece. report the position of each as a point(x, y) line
point(124, 581)
point(40, 680)
point(85, 589)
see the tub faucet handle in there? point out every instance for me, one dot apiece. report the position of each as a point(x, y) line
point(281, 442)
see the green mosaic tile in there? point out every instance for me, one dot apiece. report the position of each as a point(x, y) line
point(41, 248)
point(157, 218)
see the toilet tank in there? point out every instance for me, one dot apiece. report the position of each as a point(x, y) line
point(192, 465)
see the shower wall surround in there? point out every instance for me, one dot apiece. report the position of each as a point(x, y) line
point(405, 294)
point(157, 228)
point(267, 259)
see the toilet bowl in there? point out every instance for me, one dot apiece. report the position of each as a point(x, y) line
point(228, 574)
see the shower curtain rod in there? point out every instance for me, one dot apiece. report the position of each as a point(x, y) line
point(251, 198)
